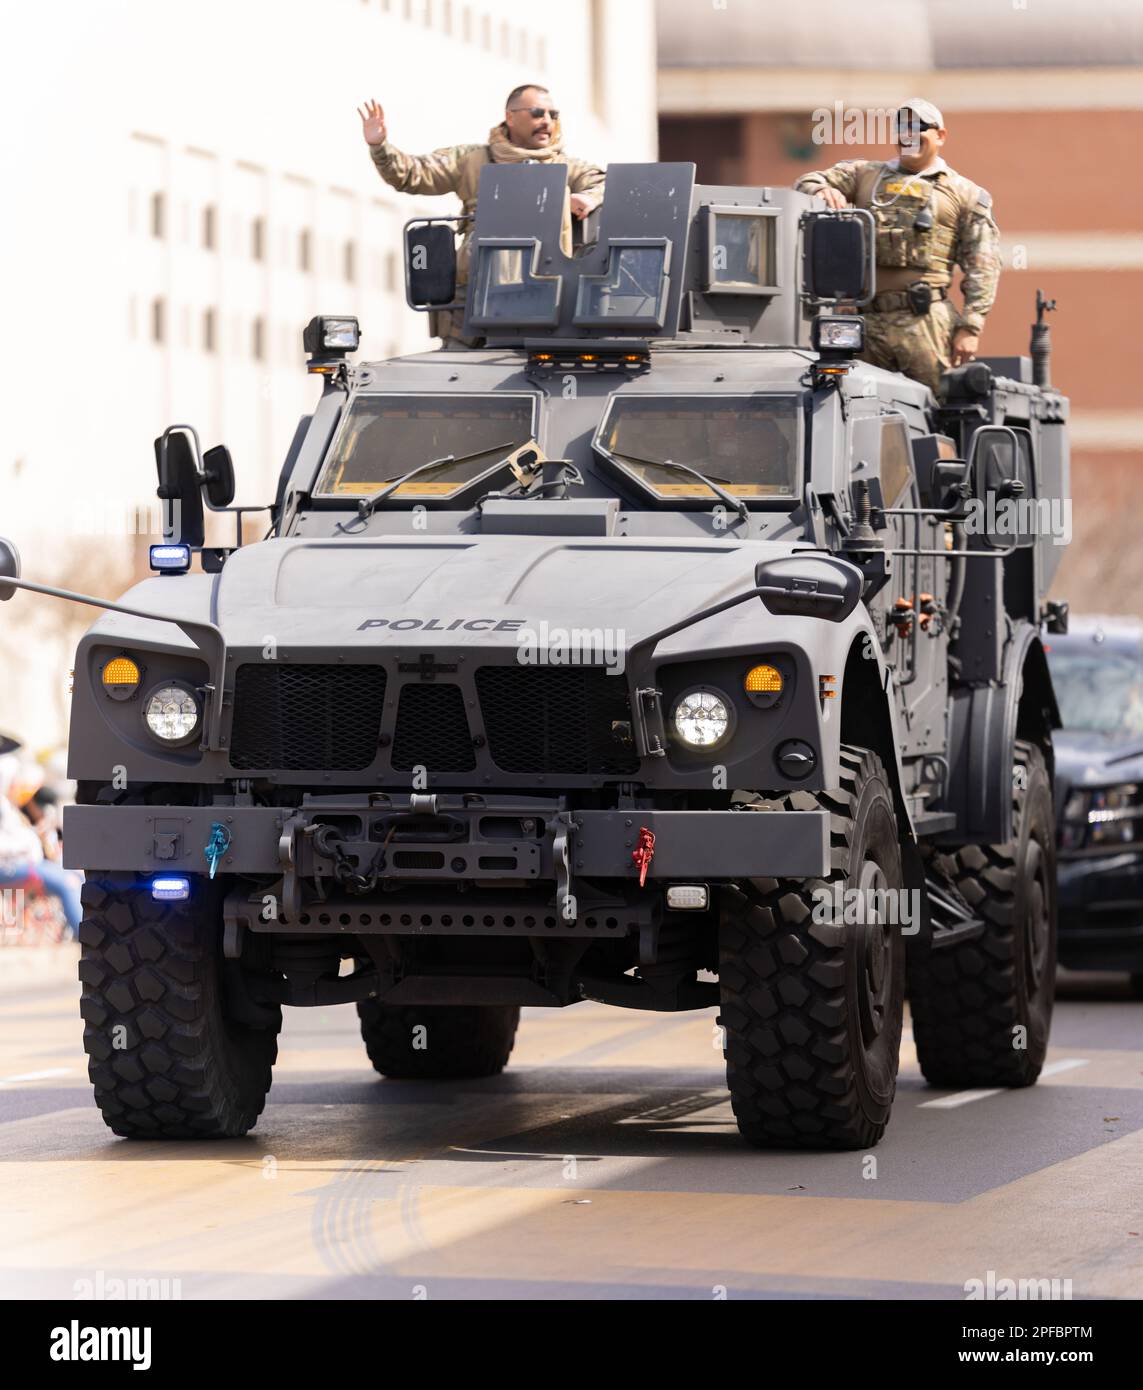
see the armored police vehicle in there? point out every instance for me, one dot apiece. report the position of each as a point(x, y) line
point(643, 647)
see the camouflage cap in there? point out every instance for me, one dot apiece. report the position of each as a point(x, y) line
point(928, 113)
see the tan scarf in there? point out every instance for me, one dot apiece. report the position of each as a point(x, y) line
point(504, 152)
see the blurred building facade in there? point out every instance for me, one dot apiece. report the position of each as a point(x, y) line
point(185, 188)
point(1043, 100)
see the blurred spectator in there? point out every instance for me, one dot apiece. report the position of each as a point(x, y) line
point(24, 838)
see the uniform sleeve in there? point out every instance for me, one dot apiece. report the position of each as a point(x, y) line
point(438, 172)
point(841, 176)
point(586, 178)
point(978, 255)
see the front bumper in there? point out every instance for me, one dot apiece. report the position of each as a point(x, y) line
point(339, 851)
point(1100, 908)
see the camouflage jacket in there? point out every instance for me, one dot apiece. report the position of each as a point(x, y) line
point(456, 169)
point(963, 232)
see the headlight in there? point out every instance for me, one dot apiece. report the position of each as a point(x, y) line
point(171, 713)
point(701, 718)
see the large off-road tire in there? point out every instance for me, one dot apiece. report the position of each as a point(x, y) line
point(438, 1041)
point(812, 1009)
point(982, 1010)
point(165, 1059)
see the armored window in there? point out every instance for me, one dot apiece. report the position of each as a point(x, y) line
point(896, 460)
point(633, 289)
point(748, 444)
point(741, 250)
point(507, 290)
point(383, 437)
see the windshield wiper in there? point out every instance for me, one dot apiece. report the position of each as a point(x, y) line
point(367, 505)
point(737, 504)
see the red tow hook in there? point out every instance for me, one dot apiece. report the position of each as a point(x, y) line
point(643, 853)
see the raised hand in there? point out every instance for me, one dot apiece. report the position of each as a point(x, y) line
point(373, 123)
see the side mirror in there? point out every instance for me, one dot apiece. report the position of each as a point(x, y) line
point(1000, 478)
point(950, 483)
point(430, 264)
point(218, 468)
point(180, 488)
point(810, 586)
point(839, 256)
point(9, 567)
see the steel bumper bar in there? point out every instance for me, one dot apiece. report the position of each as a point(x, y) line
point(448, 838)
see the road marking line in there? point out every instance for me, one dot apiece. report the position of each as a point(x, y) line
point(1065, 1064)
point(36, 1075)
point(959, 1098)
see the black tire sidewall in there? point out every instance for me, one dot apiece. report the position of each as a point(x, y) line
point(876, 838)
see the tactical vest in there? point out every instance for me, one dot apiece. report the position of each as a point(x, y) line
point(895, 198)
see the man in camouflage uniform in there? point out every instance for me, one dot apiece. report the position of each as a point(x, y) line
point(529, 132)
point(929, 218)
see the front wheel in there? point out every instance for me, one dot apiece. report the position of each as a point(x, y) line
point(812, 979)
point(165, 1056)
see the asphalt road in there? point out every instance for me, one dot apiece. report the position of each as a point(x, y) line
point(604, 1163)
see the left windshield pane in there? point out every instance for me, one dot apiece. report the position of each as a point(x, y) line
point(383, 437)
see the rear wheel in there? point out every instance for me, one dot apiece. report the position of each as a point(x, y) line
point(438, 1041)
point(165, 1057)
point(812, 1001)
point(982, 1010)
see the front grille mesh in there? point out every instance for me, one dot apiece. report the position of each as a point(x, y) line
point(432, 730)
point(306, 716)
point(556, 719)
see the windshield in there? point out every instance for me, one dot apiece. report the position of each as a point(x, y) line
point(383, 437)
point(749, 444)
point(1101, 692)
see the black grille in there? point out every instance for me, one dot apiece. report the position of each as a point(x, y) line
point(556, 719)
point(295, 717)
point(432, 730)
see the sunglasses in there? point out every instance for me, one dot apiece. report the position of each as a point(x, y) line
point(537, 111)
point(909, 128)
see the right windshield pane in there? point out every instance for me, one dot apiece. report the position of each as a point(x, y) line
point(748, 444)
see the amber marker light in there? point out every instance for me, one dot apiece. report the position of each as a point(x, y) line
point(763, 680)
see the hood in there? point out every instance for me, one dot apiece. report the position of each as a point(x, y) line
point(1087, 758)
point(473, 590)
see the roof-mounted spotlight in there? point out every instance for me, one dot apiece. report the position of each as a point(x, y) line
point(328, 339)
point(837, 339)
point(838, 335)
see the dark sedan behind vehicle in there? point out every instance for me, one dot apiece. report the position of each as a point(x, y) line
point(1097, 672)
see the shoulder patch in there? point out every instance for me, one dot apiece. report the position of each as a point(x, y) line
point(983, 199)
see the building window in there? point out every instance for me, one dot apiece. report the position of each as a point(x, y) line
point(258, 239)
point(158, 215)
point(258, 340)
point(305, 250)
point(466, 24)
point(485, 31)
point(542, 54)
point(209, 331)
point(209, 227)
point(158, 320)
point(506, 39)
point(446, 16)
point(391, 271)
point(349, 263)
